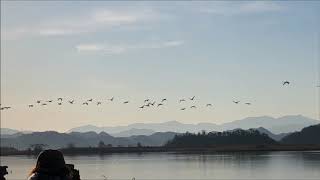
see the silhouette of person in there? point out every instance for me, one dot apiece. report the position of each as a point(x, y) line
point(3, 172)
point(51, 166)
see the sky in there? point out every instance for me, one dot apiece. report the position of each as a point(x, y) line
point(217, 51)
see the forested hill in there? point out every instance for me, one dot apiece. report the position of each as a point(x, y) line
point(308, 135)
point(220, 138)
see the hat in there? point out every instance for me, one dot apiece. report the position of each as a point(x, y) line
point(51, 160)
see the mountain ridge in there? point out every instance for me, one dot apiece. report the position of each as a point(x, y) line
point(285, 124)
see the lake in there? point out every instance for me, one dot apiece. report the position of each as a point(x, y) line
point(238, 165)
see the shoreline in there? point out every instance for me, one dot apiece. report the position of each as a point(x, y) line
point(211, 149)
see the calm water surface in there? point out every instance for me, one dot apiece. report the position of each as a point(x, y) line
point(266, 165)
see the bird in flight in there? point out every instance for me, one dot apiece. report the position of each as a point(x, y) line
point(159, 105)
point(152, 104)
point(3, 108)
point(164, 99)
point(181, 100)
point(38, 101)
point(90, 100)
point(85, 103)
point(49, 101)
point(209, 105)
point(192, 98)
point(59, 99)
point(43, 104)
point(98, 103)
point(285, 83)
point(182, 109)
point(71, 102)
point(30, 105)
point(141, 107)
point(111, 99)
point(248, 103)
point(60, 104)
point(146, 100)
point(193, 107)
point(236, 102)
point(126, 102)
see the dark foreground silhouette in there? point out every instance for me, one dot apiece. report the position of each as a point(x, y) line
point(51, 166)
point(3, 172)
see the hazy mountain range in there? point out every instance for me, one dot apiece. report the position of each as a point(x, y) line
point(87, 139)
point(91, 139)
point(283, 124)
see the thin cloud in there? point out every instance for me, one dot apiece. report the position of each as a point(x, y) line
point(89, 23)
point(118, 49)
point(229, 8)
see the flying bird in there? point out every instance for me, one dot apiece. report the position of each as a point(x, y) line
point(193, 107)
point(111, 99)
point(181, 100)
point(164, 99)
point(209, 105)
point(71, 102)
point(43, 104)
point(159, 104)
point(182, 109)
point(126, 102)
point(192, 98)
point(285, 83)
point(49, 101)
point(141, 107)
point(59, 104)
point(59, 99)
point(85, 103)
point(146, 100)
point(30, 105)
point(248, 103)
point(90, 100)
point(38, 101)
point(98, 103)
point(152, 104)
point(236, 102)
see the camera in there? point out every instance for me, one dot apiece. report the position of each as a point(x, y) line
point(73, 173)
point(3, 172)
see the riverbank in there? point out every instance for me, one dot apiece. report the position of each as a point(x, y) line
point(212, 149)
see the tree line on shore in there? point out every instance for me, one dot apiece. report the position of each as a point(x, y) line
point(194, 140)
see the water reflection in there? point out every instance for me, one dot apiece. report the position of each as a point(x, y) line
point(244, 165)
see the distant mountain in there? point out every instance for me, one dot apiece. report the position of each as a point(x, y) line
point(308, 135)
point(276, 137)
point(11, 135)
point(172, 126)
point(59, 140)
point(8, 131)
point(133, 132)
point(283, 124)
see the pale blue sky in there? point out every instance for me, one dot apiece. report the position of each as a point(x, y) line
point(218, 51)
